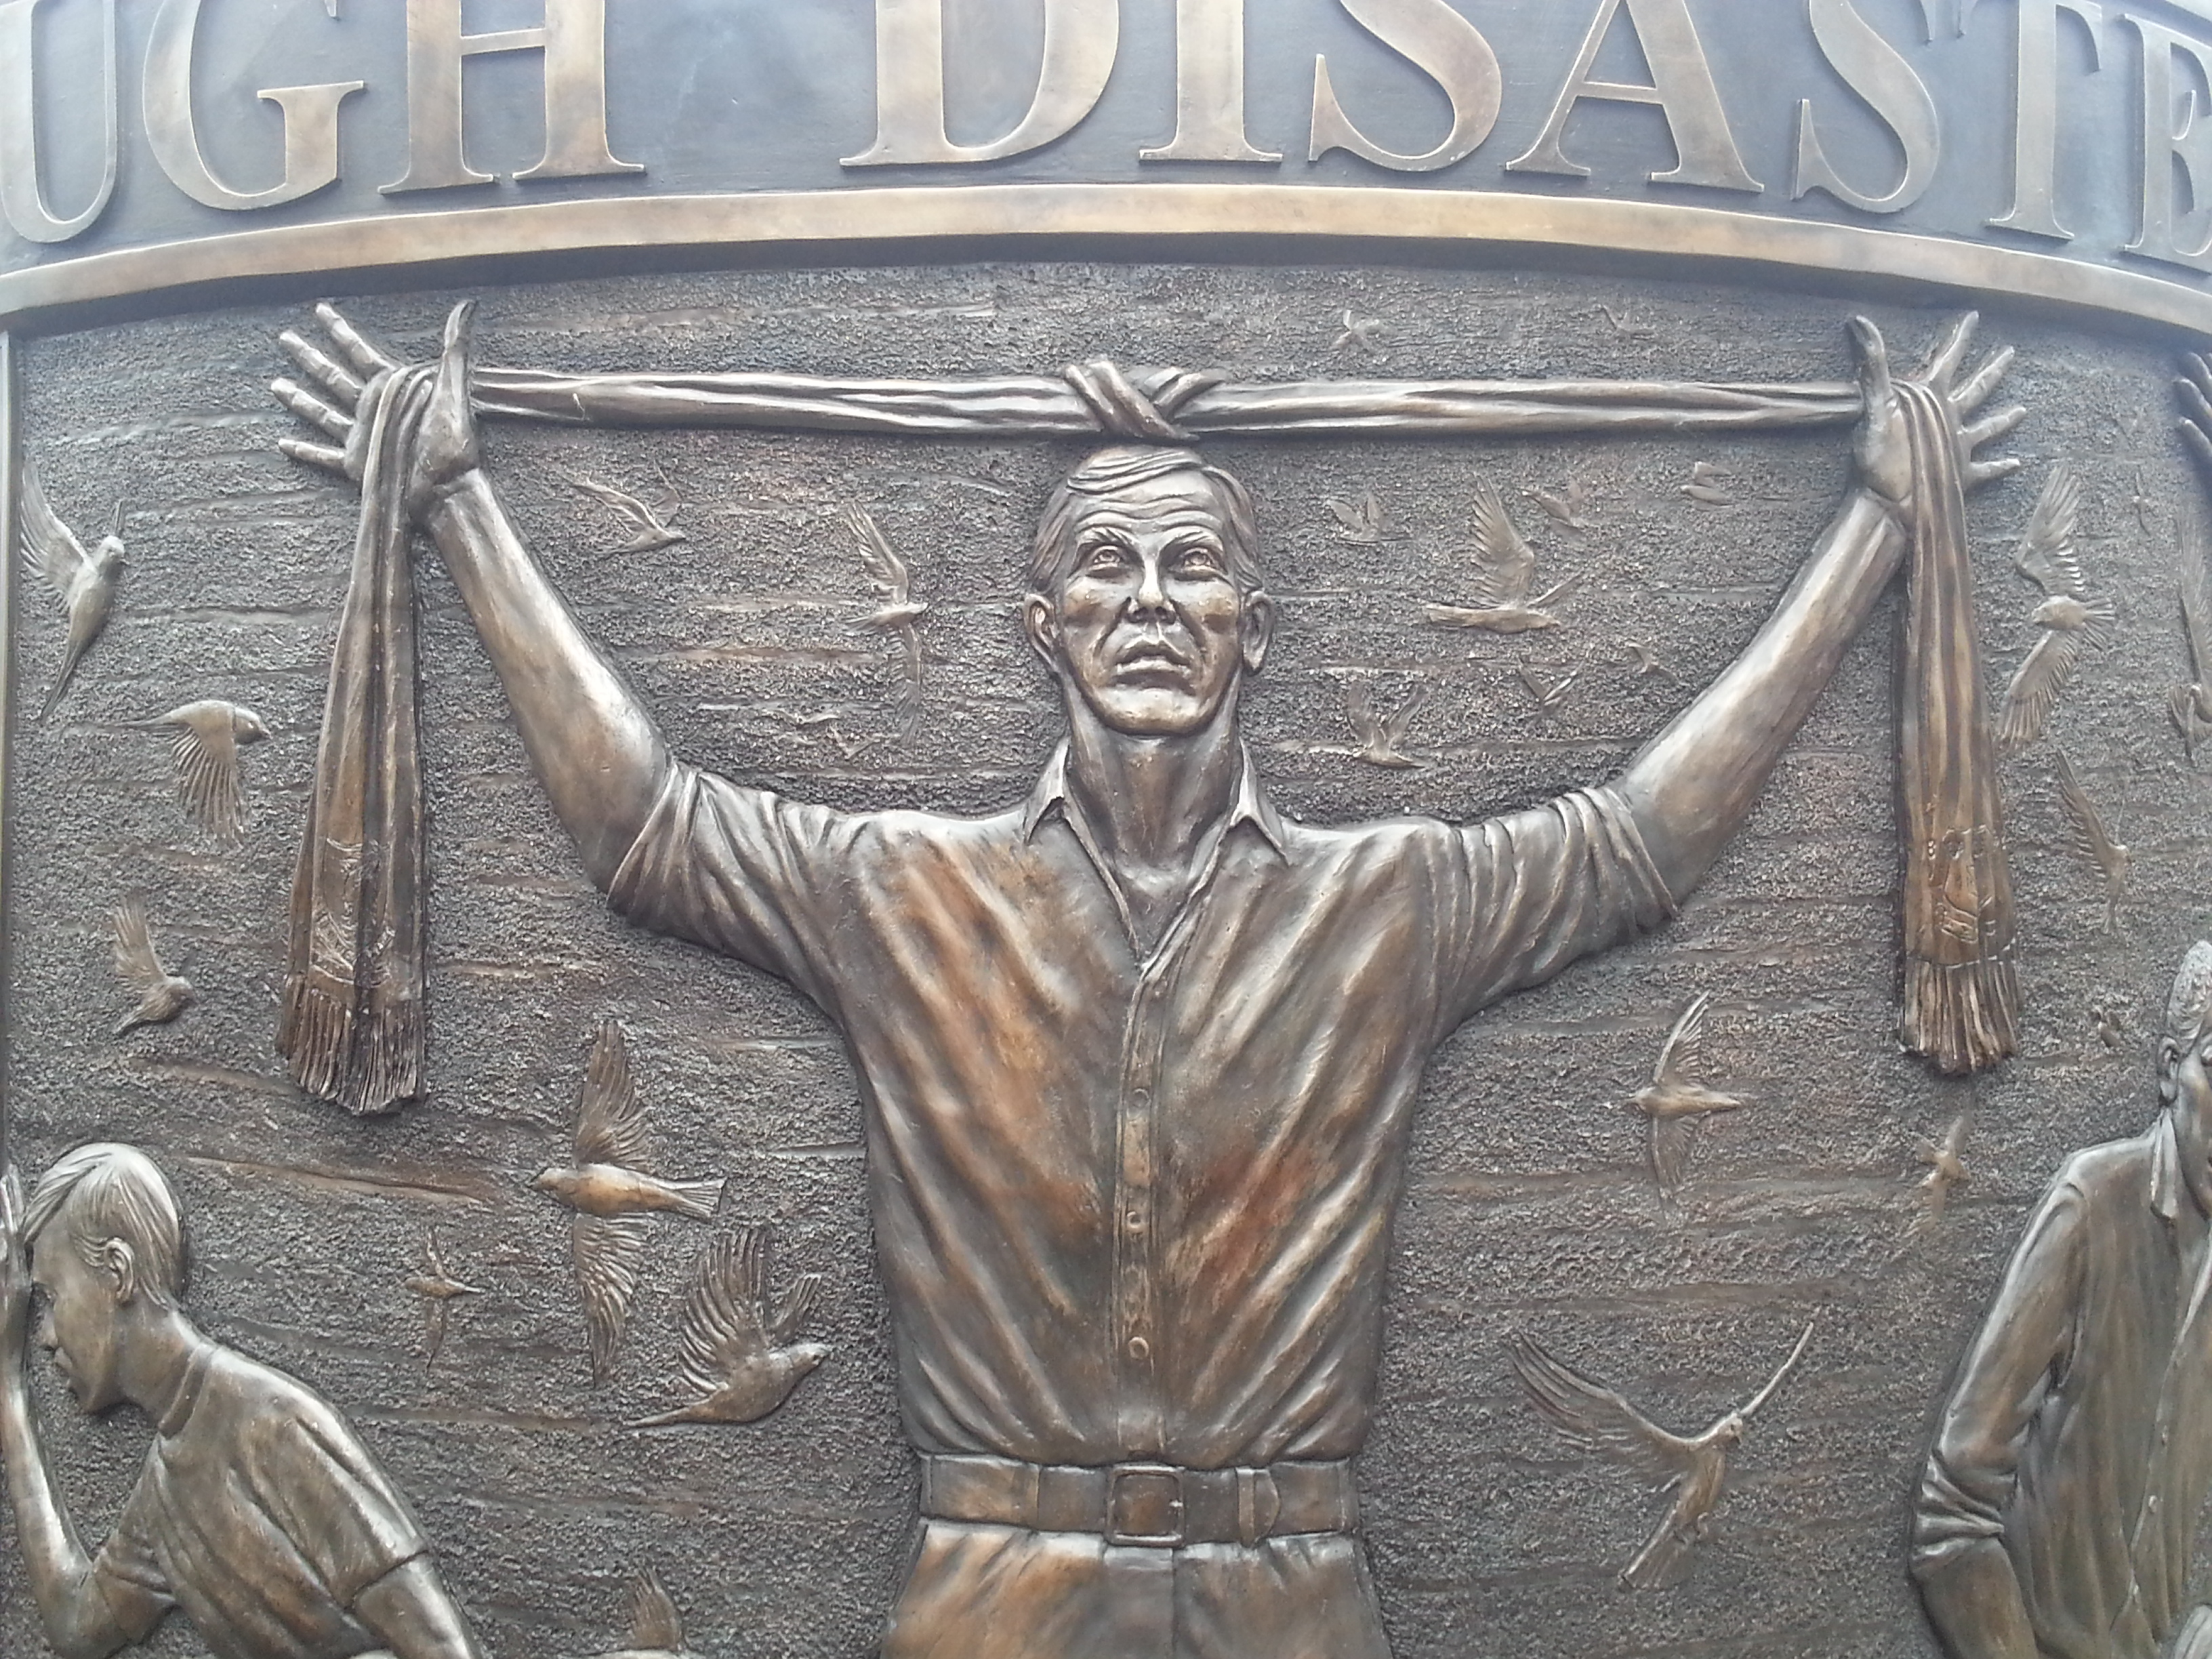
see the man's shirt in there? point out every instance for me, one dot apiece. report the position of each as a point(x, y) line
point(1135, 1203)
point(259, 1514)
point(2079, 1434)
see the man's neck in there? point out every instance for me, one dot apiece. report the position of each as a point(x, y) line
point(157, 1360)
point(1152, 803)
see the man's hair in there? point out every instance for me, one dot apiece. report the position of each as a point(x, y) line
point(105, 1192)
point(1052, 557)
point(2189, 1010)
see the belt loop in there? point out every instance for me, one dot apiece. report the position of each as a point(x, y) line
point(928, 1483)
point(1035, 1495)
point(1248, 1507)
point(1265, 1486)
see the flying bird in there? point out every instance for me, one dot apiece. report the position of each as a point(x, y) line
point(1505, 569)
point(1946, 1169)
point(2191, 704)
point(1624, 324)
point(162, 996)
point(1550, 695)
point(1382, 737)
point(2092, 840)
point(2071, 620)
point(1673, 1104)
point(1566, 507)
point(656, 1629)
point(900, 613)
point(1646, 660)
point(84, 582)
point(649, 528)
point(1364, 332)
point(612, 1196)
point(1704, 486)
point(2110, 1026)
point(438, 1290)
point(1362, 522)
point(208, 735)
point(1695, 1469)
point(738, 1358)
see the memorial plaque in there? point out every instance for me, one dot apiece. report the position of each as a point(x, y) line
point(1048, 828)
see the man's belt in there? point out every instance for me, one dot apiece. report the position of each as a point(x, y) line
point(1153, 1505)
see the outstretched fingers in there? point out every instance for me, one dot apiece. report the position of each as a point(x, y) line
point(359, 350)
point(1874, 363)
point(1991, 427)
point(1943, 367)
point(1984, 381)
point(2198, 368)
point(321, 455)
point(313, 410)
point(324, 370)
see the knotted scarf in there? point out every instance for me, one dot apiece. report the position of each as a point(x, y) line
point(352, 1020)
point(1961, 995)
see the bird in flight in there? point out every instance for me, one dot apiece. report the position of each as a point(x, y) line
point(1695, 1468)
point(438, 1290)
point(656, 1629)
point(1646, 660)
point(1673, 1104)
point(162, 996)
point(1362, 522)
point(1382, 737)
point(649, 527)
point(738, 1358)
point(208, 735)
point(2191, 704)
point(2071, 620)
point(1566, 506)
point(2092, 840)
point(1505, 569)
point(1705, 488)
point(899, 613)
point(1364, 333)
point(1550, 695)
point(613, 1198)
point(1947, 1169)
point(84, 582)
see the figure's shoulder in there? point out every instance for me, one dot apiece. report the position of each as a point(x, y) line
point(2112, 1171)
point(264, 1407)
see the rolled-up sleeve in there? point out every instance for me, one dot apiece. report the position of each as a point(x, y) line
point(1543, 888)
point(745, 872)
point(2021, 1353)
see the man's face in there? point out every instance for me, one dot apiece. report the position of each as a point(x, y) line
point(2192, 1118)
point(79, 1326)
point(1149, 625)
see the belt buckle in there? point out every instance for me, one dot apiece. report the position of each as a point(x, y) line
point(1145, 1506)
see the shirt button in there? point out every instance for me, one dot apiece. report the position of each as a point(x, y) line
point(1134, 1221)
point(1140, 1349)
point(1140, 1096)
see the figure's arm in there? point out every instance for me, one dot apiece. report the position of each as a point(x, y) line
point(1694, 784)
point(1968, 1493)
point(591, 741)
point(79, 1623)
point(409, 1611)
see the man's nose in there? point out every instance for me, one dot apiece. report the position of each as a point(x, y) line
point(47, 1339)
point(1152, 588)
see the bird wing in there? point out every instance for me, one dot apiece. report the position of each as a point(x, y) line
point(1670, 1140)
point(2090, 838)
point(2200, 646)
point(607, 1251)
point(793, 1308)
point(2034, 689)
point(1401, 717)
point(1596, 1418)
point(1359, 708)
point(1666, 1558)
point(135, 957)
point(50, 547)
point(1683, 1042)
point(655, 1626)
point(2046, 555)
point(610, 1126)
point(1751, 1407)
point(431, 1259)
point(885, 568)
point(207, 776)
point(721, 1328)
point(625, 507)
point(1954, 1138)
point(1506, 566)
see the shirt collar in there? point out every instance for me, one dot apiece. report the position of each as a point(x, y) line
point(1251, 805)
point(2168, 1180)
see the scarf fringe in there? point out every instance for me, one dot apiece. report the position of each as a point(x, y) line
point(1963, 1017)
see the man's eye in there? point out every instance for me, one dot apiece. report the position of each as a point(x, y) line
point(1200, 562)
point(1104, 556)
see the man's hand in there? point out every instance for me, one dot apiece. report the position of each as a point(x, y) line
point(2194, 1639)
point(14, 1276)
point(350, 388)
point(2194, 390)
point(1884, 451)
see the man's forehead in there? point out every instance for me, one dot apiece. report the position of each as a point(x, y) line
point(1182, 497)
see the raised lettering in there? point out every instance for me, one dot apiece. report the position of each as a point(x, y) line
point(310, 121)
point(2035, 112)
point(2173, 133)
point(1878, 73)
point(1081, 38)
point(1445, 46)
point(22, 197)
point(1682, 85)
point(1209, 87)
point(573, 39)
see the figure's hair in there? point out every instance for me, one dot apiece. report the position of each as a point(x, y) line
point(104, 1192)
point(2189, 1010)
point(1052, 556)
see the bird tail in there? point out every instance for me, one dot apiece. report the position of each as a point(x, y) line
point(697, 1198)
point(665, 1419)
point(54, 697)
point(1664, 1562)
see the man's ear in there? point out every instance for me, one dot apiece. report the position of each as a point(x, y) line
point(2169, 1071)
point(118, 1271)
point(1257, 627)
point(1041, 623)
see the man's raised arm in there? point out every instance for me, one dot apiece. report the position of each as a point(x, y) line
point(1695, 783)
point(591, 739)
